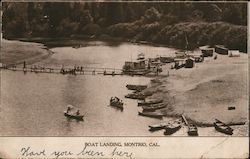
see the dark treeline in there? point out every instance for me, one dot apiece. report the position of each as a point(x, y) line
point(164, 23)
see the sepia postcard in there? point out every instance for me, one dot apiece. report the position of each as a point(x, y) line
point(124, 79)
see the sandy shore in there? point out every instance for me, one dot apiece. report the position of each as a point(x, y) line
point(205, 92)
point(15, 52)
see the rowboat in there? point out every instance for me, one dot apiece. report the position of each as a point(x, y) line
point(156, 127)
point(172, 127)
point(116, 102)
point(192, 130)
point(136, 96)
point(153, 107)
point(150, 102)
point(136, 87)
point(151, 114)
point(73, 116)
point(222, 127)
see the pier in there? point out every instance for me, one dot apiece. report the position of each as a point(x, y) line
point(75, 70)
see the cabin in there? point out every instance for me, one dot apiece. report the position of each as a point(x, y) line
point(206, 51)
point(129, 65)
point(189, 62)
point(220, 49)
point(233, 53)
point(198, 57)
point(178, 63)
point(180, 54)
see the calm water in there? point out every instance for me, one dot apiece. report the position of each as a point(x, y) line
point(33, 104)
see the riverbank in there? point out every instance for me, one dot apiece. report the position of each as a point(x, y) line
point(15, 52)
point(205, 92)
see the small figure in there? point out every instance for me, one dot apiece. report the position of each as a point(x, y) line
point(68, 109)
point(215, 57)
point(78, 112)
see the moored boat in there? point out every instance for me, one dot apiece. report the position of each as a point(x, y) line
point(136, 96)
point(192, 130)
point(156, 127)
point(136, 87)
point(151, 114)
point(222, 127)
point(142, 103)
point(172, 127)
point(153, 107)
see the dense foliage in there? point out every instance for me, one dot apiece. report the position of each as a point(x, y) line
point(165, 23)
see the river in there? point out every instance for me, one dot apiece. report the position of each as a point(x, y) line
point(33, 104)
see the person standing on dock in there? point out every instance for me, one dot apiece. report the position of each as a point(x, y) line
point(24, 64)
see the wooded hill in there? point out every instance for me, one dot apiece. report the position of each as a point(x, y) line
point(158, 22)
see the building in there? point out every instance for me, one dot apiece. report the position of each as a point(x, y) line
point(206, 51)
point(221, 50)
point(129, 65)
point(233, 53)
point(189, 62)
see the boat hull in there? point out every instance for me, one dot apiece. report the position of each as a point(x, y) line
point(149, 103)
point(77, 117)
point(223, 128)
point(152, 115)
point(153, 108)
point(171, 130)
point(192, 130)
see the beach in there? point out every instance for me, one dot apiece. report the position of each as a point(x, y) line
point(204, 93)
point(16, 52)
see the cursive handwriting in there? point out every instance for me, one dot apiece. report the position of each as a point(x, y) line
point(27, 152)
point(90, 152)
point(87, 151)
point(61, 153)
point(115, 153)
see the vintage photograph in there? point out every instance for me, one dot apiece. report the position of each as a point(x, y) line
point(124, 69)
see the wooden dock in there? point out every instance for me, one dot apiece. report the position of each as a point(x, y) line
point(66, 70)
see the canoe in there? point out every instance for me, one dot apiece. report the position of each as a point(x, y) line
point(171, 128)
point(192, 130)
point(136, 96)
point(151, 114)
point(153, 107)
point(73, 116)
point(136, 87)
point(150, 102)
point(156, 127)
point(222, 127)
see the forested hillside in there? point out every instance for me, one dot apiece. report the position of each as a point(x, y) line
point(162, 23)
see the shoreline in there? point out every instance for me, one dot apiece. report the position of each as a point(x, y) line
point(15, 52)
point(203, 93)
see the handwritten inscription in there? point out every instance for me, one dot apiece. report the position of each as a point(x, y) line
point(89, 150)
point(27, 152)
point(62, 154)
